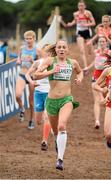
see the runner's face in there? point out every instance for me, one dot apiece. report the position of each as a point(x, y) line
point(81, 6)
point(105, 22)
point(29, 40)
point(62, 49)
point(102, 42)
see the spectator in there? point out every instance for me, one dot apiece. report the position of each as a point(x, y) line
point(3, 52)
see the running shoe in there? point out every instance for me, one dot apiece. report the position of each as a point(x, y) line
point(21, 116)
point(44, 146)
point(108, 144)
point(31, 125)
point(97, 125)
point(59, 164)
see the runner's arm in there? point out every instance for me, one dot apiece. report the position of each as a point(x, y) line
point(79, 72)
point(97, 84)
point(92, 63)
point(62, 21)
point(30, 72)
point(72, 23)
point(108, 39)
point(92, 20)
point(39, 74)
point(94, 38)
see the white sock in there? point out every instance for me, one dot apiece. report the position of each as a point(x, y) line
point(22, 109)
point(61, 143)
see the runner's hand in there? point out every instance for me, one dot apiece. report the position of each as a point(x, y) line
point(107, 100)
point(33, 83)
point(34, 76)
point(89, 42)
point(103, 101)
point(68, 25)
point(18, 62)
point(56, 69)
point(77, 81)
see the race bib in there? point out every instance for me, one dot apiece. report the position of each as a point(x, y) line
point(64, 73)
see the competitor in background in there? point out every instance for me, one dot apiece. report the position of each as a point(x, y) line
point(84, 20)
point(106, 76)
point(103, 29)
point(28, 53)
point(40, 93)
point(101, 61)
point(60, 102)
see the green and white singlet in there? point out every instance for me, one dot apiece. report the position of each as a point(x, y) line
point(65, 71)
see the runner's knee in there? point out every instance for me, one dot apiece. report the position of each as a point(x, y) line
point(18, 96)
point(61, 127)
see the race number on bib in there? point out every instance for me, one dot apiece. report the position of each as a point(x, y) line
point(64, 73)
